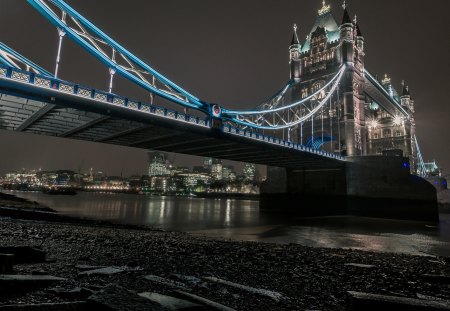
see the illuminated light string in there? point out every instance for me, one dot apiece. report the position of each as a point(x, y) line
point(299, 120)
point(255, 112)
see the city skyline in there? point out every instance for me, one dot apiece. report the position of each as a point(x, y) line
point(386, 42)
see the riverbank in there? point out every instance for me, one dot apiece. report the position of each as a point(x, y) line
point(304, 277)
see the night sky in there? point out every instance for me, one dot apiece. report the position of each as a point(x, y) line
point(234, 53)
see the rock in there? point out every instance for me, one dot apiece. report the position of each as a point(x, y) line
point(24, 254)
point(206, 302)
point(102, 271)
point(164, 281)
point(359, 265)
point(6, 263)
point(259, 291)
point(39, 272)
point(443, 279)
point(76, 292)
point(369, 302)
point(64, 306)
point(187, 278)
point(117, 298)
point(88, 267)
point(172, 303)
point(11, 283)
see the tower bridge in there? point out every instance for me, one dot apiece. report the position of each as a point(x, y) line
point(333, 132)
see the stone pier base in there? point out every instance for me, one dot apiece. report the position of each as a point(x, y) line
point(370, 186)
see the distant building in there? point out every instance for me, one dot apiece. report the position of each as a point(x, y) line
point(217, 169)
point(157, 164)
point(249, 172)
point(228, 173)
point(207, 163)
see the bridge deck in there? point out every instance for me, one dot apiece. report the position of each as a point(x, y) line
point(53, 107)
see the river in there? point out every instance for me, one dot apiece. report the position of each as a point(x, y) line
point(242, 220)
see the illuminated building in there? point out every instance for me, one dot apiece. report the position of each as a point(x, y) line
point(249, 172)
point(217, 169)
point(356, 124)
point(157, 164)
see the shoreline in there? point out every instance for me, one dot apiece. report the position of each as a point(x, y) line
point(308, 277)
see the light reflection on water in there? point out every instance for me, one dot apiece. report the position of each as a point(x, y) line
point(241, 219)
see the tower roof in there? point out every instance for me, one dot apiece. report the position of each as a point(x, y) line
point(358, 31)
point(346, 18)
point(295, 40)
point(324, 20)
point(405, 91)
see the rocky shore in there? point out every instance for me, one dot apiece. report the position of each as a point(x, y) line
point(102, 259)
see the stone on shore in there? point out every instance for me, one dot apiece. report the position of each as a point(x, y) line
point(443, 279)
point(259, 291)
point(117, 298)
point(172, 303)
point(201, 300)
point(164, 281)
point(358, 301)
point(24, 254)
point(359, 265)
point(64, 306)
point(9, 282)
point(102, 271)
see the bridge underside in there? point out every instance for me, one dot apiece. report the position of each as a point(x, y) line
point(96, 122)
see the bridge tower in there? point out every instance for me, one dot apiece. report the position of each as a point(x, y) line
point(352, 45)
point(327, 47)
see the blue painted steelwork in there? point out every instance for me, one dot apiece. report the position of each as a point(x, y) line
point(30, 79)
point(252, 112)
point(303, 118)
point(6, 51)
point(421, 169)
point(65, 87)
point(318, 142)
point(190, 102)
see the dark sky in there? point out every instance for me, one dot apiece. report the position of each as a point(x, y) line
point(231, 52)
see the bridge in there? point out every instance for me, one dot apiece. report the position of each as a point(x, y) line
point(332, 111)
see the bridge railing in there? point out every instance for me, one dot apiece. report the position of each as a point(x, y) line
point(96, 95)
point(279, 142)
point(73, 89)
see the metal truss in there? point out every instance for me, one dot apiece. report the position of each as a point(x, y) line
point(111, 54)
point(11, 58)
point(421, 170)
point(275, 114)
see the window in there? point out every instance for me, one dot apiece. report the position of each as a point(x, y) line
point(304, 92)
point(386, 133)
point(375, 136)
point(398, 133)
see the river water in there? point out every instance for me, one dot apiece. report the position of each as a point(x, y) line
point(242, 220)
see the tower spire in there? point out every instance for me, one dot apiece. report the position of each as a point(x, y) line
point(344, 4)
point(295, 40)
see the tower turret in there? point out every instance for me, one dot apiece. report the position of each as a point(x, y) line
point(294, 56)
point(386, 83)
point(347, 36)
point(405, 98)
point(359, 37)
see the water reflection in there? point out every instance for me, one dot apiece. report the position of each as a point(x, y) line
point(241, 219)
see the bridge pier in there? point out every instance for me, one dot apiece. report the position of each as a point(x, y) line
point(370, 186)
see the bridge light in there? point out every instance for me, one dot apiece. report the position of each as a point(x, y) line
point(398, 120)
point(373, 124)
